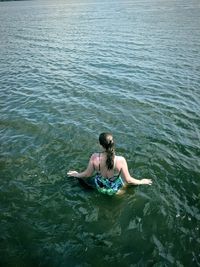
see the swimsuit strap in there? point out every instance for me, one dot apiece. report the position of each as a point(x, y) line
point(99, 164)
point(99, 160)
point(114, 167)
point(119, 173)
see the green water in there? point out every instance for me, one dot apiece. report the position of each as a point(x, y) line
point(69, 71)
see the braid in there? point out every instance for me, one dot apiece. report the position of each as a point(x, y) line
point(110, 156)
point(106, 140)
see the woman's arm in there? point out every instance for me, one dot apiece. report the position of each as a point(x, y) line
point(86, 173)
point(127, 177)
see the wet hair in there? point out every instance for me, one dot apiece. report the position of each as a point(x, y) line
point(106, 140)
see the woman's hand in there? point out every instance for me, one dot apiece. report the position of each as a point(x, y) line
point(72, 173)
point(146, 181)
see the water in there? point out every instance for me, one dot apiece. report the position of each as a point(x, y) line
point(69, 71)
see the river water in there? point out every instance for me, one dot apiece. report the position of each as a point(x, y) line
point(70, 70)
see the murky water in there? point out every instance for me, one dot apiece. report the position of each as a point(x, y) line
point(69, 71)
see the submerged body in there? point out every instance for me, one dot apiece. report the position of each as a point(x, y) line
point(111, 171)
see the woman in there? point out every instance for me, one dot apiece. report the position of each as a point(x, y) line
point(111, 171)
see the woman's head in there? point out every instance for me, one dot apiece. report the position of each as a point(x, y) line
point(106, 141)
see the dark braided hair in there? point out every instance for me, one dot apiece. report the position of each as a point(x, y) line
point(106, 140)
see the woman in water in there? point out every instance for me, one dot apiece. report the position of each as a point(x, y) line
point(111, 171)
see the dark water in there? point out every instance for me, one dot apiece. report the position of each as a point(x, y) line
point(70, 70)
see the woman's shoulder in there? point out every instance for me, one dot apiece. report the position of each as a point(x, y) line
point(120, 158)
point(94, 156)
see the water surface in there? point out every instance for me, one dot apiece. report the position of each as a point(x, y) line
point(69, 71)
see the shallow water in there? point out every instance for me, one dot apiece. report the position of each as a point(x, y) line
point(70, 70)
